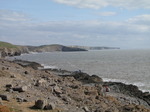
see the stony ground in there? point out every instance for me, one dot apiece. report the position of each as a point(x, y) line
point(25, 88)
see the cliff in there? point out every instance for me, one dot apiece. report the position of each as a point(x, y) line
point(52, 48)
point(7, 49)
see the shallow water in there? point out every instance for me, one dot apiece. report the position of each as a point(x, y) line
point(127, 66)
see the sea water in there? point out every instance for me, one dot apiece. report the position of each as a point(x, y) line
point(127, 66)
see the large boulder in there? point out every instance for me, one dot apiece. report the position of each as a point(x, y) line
point(21, 89)
point(40, 104)
point(5, 97)
point(43, 104)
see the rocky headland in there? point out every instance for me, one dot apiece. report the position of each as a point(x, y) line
point(28, 87)
point(8, 49)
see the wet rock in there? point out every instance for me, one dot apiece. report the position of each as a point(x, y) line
point(40, 104)
point(96, 79)
point(21, 89)
point(130, 90)
point(23, 63)
point(85, 78)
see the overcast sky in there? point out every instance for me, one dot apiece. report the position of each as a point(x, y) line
point(114, 23)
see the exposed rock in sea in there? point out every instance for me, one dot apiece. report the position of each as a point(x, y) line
point(84, 77)
point(24, 63)
point(131, 91)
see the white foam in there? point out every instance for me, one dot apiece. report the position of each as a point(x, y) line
point(33, 53)
point(114, 80)
point(139, 84)
point(49, 66)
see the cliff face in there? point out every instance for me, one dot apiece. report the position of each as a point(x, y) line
point(7, 49)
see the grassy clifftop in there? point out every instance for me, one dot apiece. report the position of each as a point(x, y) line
point(7, 45)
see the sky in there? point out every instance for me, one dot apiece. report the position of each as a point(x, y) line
point(112, 23)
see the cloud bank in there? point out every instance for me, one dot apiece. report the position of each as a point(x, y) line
point(133, 33)
point(96, 4)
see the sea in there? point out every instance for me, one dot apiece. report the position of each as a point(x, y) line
point(127, 66)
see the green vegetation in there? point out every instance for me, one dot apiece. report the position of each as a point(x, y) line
point(7, 45)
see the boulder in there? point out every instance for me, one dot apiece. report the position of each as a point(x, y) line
point(9, 85)
point(5, 97)
point(21, 89)
point(26, 72)
point(40, 104)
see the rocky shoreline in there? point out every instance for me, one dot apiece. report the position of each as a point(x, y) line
point(26, 88)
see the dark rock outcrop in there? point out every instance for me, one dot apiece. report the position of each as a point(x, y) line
point(23, 63)
point(130, 90)
point(85, 78)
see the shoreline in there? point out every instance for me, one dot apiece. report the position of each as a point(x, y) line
point(72, 89)
point(62, 72)
point(113, 79)
point(43, 66)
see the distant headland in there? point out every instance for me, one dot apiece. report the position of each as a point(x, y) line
point(8, 49)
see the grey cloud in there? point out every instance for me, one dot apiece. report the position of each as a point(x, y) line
point(141, 19)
